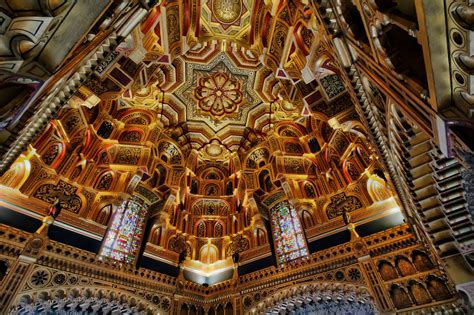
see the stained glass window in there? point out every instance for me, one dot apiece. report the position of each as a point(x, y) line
point(289, 240)
point(123, 238)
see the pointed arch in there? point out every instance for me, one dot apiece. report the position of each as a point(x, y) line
point(155, 235)
point(309, 190)
point(209, 254)
point(104, 214)
point(351, 171)
point(218, 229)
point(377, 188)
point(307, 219)
point(201, 229)
point(260, 237)
point(105, 181)
point(288, 237)
point(184, 309)
point(264, 180)
point(54, 154)
point(229, 309)
point(212, 190)
point(17, 175)
point(219, 310)
point(235, 224)
point(194, 186)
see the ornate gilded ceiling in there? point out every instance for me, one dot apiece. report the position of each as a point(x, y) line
point(219, 98)
point(218, 94)
point(224, 71)
point(207, 154)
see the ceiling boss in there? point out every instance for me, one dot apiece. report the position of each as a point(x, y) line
point(227, 11)
point(218, 94)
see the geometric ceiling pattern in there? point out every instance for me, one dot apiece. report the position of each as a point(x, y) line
point(240, 81)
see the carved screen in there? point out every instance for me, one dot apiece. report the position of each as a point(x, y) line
point(288, 236)
point(123, 238)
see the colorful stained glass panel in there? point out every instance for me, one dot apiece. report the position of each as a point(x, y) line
point(123, 238)
point(289, 240)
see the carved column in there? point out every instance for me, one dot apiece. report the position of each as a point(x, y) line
point(373, 278)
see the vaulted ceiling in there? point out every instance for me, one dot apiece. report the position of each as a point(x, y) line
point(224, 72)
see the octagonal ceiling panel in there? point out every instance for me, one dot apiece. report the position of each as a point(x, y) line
point(219, 98)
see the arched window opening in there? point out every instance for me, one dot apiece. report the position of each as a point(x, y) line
point(123, 238)
point(309, 190)
point(229, 309)
point(218, 230)
point(288, 236)
point(235, 225)
point(209, 254)
point(307, 219)
point(105, 129)
point(247, 217)
point(261, 237)
point(314, 145)
point(229, 188)
point(201, 229)
point(155, 237)
point(184, 309)
point(377, 188)
point(194, 186)
point(220, 310)
point(265, 181)
point(162, 171)
point(212, 190)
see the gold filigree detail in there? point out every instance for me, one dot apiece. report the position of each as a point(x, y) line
point(218, 94)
